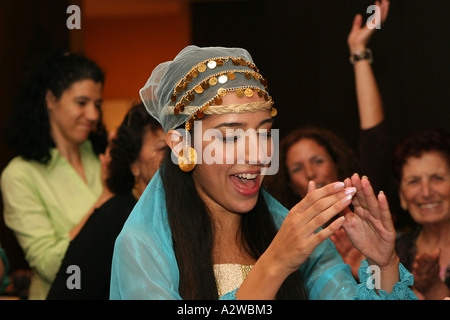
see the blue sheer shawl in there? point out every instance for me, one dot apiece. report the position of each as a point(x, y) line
point(144, 264)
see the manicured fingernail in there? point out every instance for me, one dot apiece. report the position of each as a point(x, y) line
point(351, 190)
point(340, 221)
point(347, 199)
point(339, 186)
point(365, 177)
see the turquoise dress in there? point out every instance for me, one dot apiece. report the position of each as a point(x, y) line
point(144, 264)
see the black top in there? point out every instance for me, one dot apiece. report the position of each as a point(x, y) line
point(374, 152)
point(91, 250)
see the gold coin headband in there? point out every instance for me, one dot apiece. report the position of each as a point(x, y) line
point(186, 98)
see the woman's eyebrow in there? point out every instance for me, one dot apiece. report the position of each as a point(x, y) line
point(87, 98)
point(230, 124)
point(242, 124)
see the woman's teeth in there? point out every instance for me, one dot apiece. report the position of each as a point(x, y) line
point(428, 205)
point(248, 176)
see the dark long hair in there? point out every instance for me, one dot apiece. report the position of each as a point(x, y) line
point(193, 233)
point(28, 129)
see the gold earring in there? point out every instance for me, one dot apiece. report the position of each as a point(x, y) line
point(187, 158)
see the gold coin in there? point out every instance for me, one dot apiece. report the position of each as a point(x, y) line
point(218, 100)
point(187, 159)
point(195, 73)
point(240, 93)
point(212, 81)
point(189, 78)
point(231, 75)
point(202, 67)
point(248, 92)
point(198, 89)
point(273, 112)
point(200, 114)
point(223, 79)
point(173, 98)
point(221, 90)
point(247, 75)
point(212, 64)
point(263, 82)
point(179, 89)
point(205, 85)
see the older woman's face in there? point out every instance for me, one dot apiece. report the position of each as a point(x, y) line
point(307, 160)
point(425, 188)
point(151, 154)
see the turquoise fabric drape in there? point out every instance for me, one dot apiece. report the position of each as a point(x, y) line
point(144, 264)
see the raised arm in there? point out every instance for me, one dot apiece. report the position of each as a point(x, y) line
point(370, 105)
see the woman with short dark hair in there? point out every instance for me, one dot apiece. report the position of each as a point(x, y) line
point(422, 173)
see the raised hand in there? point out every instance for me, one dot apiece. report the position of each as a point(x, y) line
point(360, 35)
point(297, 237)
point(370, 227)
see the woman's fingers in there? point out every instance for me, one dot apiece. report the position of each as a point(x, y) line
point(370, 198)
point(357, 22)
point(365, 197)
point(315, 195)
point(311, 186)
point(384, 6)
point(385, 212)
point(318, 207)
point(327, 232)
point(322, 199)
point(321, 216)
point(361, 201)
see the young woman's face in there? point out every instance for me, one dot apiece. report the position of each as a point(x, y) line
point(151, 155)
point(74, 115)
point(307, 160)
point(229, 177)
point(425, 188)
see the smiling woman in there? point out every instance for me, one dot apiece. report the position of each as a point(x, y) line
point(211, 231)
point(422, 167)
point(54, 183)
